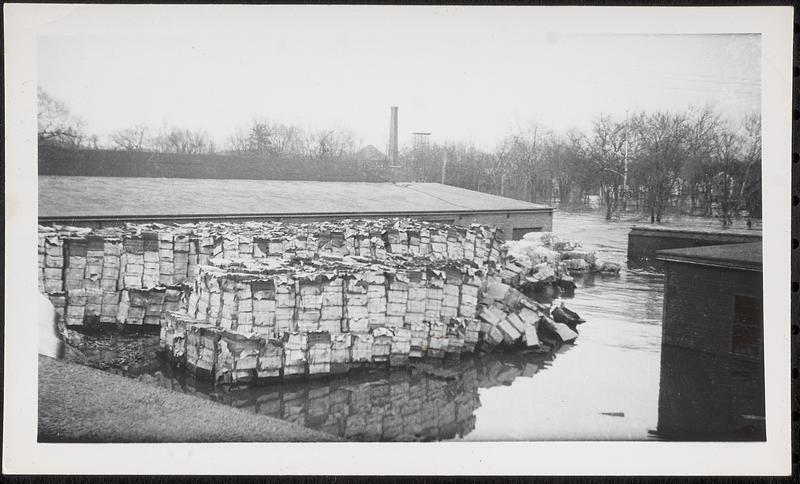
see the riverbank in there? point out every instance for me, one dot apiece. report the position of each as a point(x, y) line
point(82, 404)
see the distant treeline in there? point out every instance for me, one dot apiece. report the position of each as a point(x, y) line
point(692, 161)
point(60, 160)
point(689, 162)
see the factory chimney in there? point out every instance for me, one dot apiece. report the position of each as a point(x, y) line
point(393, 137)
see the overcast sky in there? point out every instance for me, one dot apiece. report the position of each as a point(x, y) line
point(463, 78)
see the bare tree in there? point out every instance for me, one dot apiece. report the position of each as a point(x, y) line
point(134, 138)
point(526, 153)
point(55, 122)
point(607, 153)
point(328, 144)
point(751, 157)
point(268, 139)
point(662, 154)
point(184, 141)
point(726, 153)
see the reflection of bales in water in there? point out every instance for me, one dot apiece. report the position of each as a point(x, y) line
point(707, 397)
point(425, 402)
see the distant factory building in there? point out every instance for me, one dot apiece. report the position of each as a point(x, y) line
point(712, 358)
point(370, 155)
point(102, 201)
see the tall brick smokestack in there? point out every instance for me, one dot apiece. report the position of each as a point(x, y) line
point(393, 137)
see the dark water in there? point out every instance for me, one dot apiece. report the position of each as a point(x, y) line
point(605, 387)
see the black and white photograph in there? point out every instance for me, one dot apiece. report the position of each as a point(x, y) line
point(397, 239)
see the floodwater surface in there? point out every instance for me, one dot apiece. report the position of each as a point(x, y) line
point(605, 387)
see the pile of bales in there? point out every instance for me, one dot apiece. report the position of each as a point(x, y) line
point(248, 302)
point(85, 271)
point(249, 322)
point(549, 263)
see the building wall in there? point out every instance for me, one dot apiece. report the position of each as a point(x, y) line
point(703, 396)
point(507, 221)
point(699, 305)
point(706, 391)
point(536, 221)
point(643, 243)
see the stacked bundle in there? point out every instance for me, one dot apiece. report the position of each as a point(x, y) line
point(356, 304)
point(40, 253)
point(166, 258)
point(53, 264)
point(182, 250)
point(455, 245)
point(438, 340)
point(132, 262)
point(295, 347)
point(340, 352)
point(270, 359)
point(173, 333)
point(112, 251)
point(397, 241)
point(285, 305)
point(376, 298)
point(434, 295)
point(438, 244)
point(452, 293)
point(319, 353)
point(75, 306)
point(154, 306)
point(147, 256)
point(401, 347)
point(263, 292)
point(150, 272)
point(362, 348)
point(75, 272)
point(416, 299)
point(202, 342)
point(509, 317)
point(238, 356)
point(471, 333)
point(418, 345)
point(149, 306)
point(396, 299)
point(133, 306)
point(512, 272)
point(381, 345)
point(309, 304)
point(332, 310)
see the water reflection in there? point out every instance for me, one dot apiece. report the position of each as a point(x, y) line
point(707, 397)
point(426, 402)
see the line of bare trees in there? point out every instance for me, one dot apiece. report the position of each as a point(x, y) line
point(692, 161)
point(689, 162)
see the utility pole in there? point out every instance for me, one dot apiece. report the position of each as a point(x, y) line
point(444, 165)
point(625, 172)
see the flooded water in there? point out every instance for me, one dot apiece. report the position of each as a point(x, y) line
point(604, 387)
